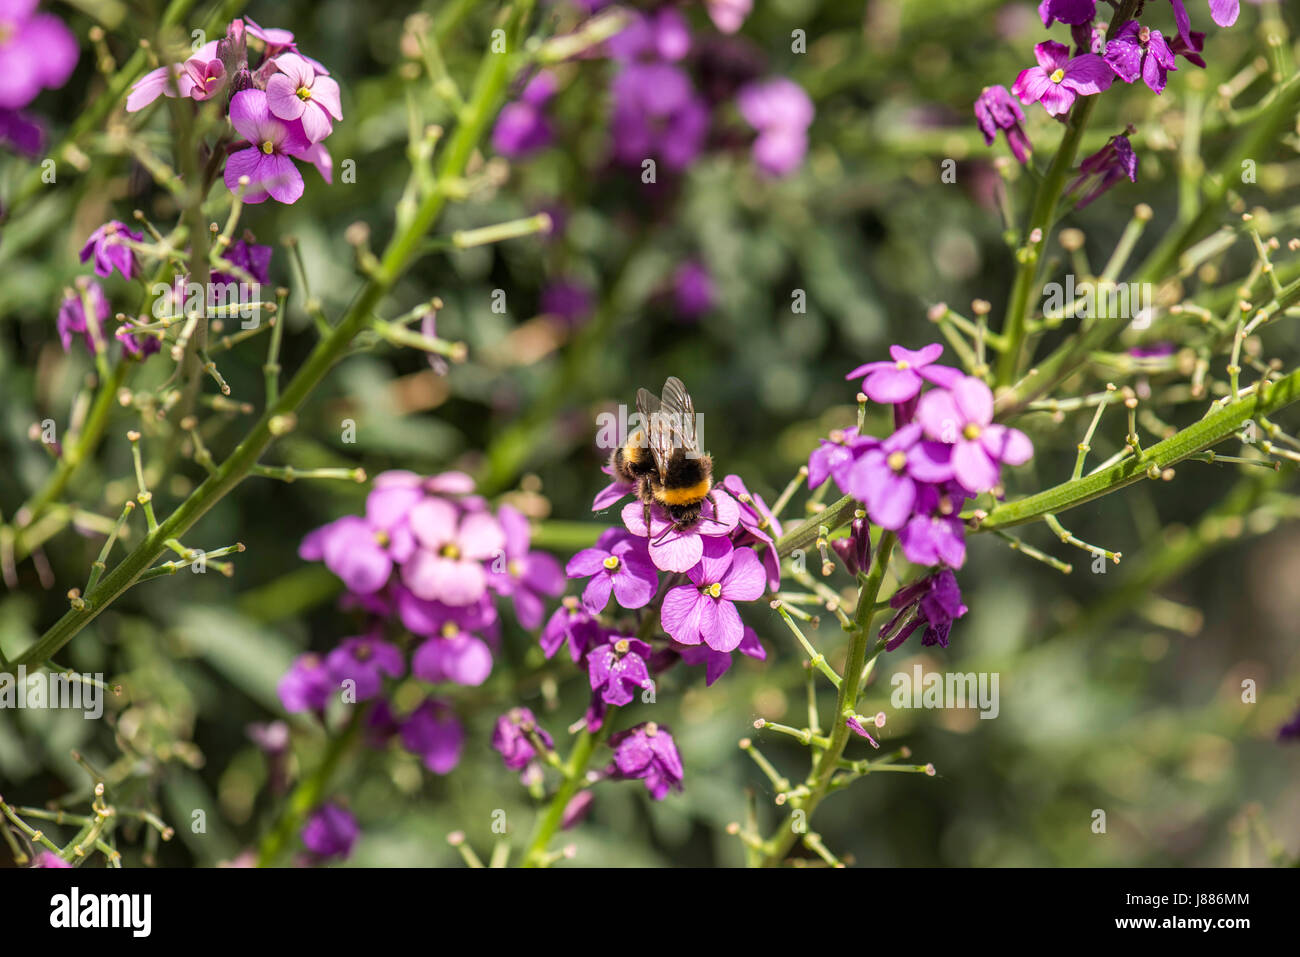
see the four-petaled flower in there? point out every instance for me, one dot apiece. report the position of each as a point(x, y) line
point(705, 610)
point(297, 92)
point(963, 417)
point(618, 563)
point(271, 142)
point(1059, 79)
point(614, 669)
point(1140, 51)
point(106, 244)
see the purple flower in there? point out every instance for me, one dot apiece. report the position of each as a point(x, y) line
point(616, 489)
point(1291, 730)
point(1058, 79)
point(996, 109)
point(835, 455)
point(271, 142)
point(354, 550)
point(619, 563)
point(330, 831)
point(692, 289)
point(887, 477)
point(705, 609)
point(648, 752)
point(857, 727)
point(511, 737)
point(433, 732)
point(522, 126)
point(365, 661)
point(1067, 11)
point(37, 52)
point(657, 114)
point(729, 15)
point(297, 93)
point(206, 76)
point(962, 416)
point(677, 550)
point(247, 257)
point(73, 318)
point(455, 656)
point(448, 565)
point(305, 686)
point(24, 134)
point(716, 663)
point(573, 624)
point(901, 380)
point(110, 252)
point(1104, 168)
point(1224, 13)
point(758, 526)
point(1140, 51)
point(50, 859)
point(615, 668)
point(855, 548)
point(568, 300)
point(1189, 47)
point(176, 79)
point(935, 533)
point(527, 577)
point(934, 601)
point(662, 35)
point(781, 112)
point(139, 345)
point(576, 809)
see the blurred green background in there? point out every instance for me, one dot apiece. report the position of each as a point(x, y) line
point(1111, 696)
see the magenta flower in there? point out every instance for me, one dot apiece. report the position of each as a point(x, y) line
point(298, 93)
point(22, 133)
point(1058, 79)
point(568, 300)
point(677, 550)
point(330, 831)
point(50, 859)
point(522, 126)
point(657, 113)
point(305, 686)
point(615, 668)
point(73, 318)
point(1224, 13)
point(354, 550)
point(648, 753)
point(857, 727)
point(781, 112)
point(886, 478)
point(138, 345)
point(207, 77)
point(433, 618)
point(835, 455)
point(901, 380)
point(1190, 47)
point(854, 549)
point(616, 489)
point(448, 565)
point(1104, 168)
point(1140, 51)
point(176, 79)
point(573, 624)
point(758, 526)
point(729, 15)
point(37, 52)
point(455, 656)
point(935, 532)
point(527, 577)
point(662, 35)
point(934, 601)
point(693, 291)
point(271, 142)
point(433, 732)
point(365, 660)
point(1067, 11)
point(962, 416)
point(705, 610)
point(512, 739)
point(996, 109)
point(716, 663)
point(110, 252)
point(618, 563)
point(253, 262)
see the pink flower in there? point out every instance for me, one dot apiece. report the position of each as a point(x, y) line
point(677, 550)
point(705, 609)
point(298, 93)
point(271, 142)
point(177, 79)
point(963, 417)
point(1057, 79)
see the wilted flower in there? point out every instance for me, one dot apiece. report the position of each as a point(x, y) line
point(996, 109)
point(330, 831)
point(934, 601)
point(433, 732)
point(1104, 168)
point(110, 252)
point(647, 752)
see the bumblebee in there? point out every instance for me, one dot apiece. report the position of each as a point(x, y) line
point(662, 460)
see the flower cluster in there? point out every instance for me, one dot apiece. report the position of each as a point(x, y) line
point(430, 554)
point(281, 106)
point(945, 449)
point(1128, 51)
point(37, 52)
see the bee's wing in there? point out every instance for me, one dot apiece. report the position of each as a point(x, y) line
point(679, 414)
point(649, 408)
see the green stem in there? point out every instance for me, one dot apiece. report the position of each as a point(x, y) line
point(819, 781)
point(575, 770)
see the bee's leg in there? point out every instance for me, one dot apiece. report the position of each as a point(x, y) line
point(646, 505)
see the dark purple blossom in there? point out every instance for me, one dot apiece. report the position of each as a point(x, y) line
point(433, 732)
point(854, 549)
point(1058, 79)
point(617, 667)
point(365, 660)
point(22, 133)
point(995, 110)
point(693, 291)
point(1140, 51)
point(1224, 13)
point(1291, 730)
point(74, 319)
point(935, 533)
point(249, 258)
point(522, 127)
point(934, 602)
point(567, 299)
point(573, 624)
point(110, 252)
point(330, 831)
point(306, 685)
point(1104, 168)
point(513, 738)
point(657, 114)
point(1067, 11)
point(647, 752)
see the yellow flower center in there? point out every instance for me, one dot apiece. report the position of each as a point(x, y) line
point(304, 93)
point(902, 365)
point(897, 461)
point(268, 147)
point(450, 629)
point(514, 568)
point(972, 431)
point(1058, 76)
point(381, 538)
point(449, 551)
point(651, 729)
point(611, 563)
point(362, 653)
point(621, 646)
point(713, 591)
